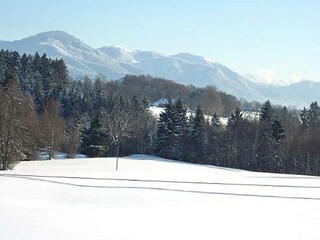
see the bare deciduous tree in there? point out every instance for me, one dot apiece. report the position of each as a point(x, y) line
point(118, 123)
point(52, 128)
point(16, 120)
point(73, 137)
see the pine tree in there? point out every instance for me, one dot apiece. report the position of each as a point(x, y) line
point(278, 136)
point(87, 104)
point(198, 138)
point(95, 138)
point(139, 134)
point(181, 117)
point(234, 139)
point(235, 120)
point(304, 118)
point(167, 138)
point(278, 130)
point(181, 128)
point(266, 111)
point(265, 139)
point(270, 136)
point(314, 116)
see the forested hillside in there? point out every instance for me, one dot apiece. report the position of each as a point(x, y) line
point(41, 110)
point(209, 98)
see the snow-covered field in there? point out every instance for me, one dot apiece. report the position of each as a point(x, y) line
point(152, 198)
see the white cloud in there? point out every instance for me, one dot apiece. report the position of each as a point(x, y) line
point(269, 76)
point(294, 78)
point(266, 75)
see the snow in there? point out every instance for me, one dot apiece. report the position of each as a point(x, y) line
point(44, 155)
point(251, 115)
point(156, 111)
point(82, 199)
point(194, 59)
point(223, 121)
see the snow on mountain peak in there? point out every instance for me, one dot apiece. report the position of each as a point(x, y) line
point(61, 36)
point(122, 48)
point(120, 54)
point(194, 59)
point(208, 59)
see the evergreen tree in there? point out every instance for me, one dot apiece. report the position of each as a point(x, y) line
point(314, 116)
point(95, 138)
point(87, 104)
point(167, 139)
point(270, 136)
point(181, 117)
point(140, 132)
point(181, 128)
point(234, 138)
point(278, 136)
point(304, 118)
point(265, 139)
point(198, 138)
point(266, 111)
point(235, 120)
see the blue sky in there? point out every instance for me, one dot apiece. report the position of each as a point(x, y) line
point(272, 37)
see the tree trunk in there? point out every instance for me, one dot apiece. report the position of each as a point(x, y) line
point(118, 147)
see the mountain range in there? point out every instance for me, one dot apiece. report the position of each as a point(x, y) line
point(115, 62)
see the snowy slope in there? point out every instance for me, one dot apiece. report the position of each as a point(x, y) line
point(153, 198)
point(191, 58)
point(120, 54)
point(80, 58)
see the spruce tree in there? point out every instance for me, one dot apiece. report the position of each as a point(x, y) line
point(314, 116)
point(95, 138)
point(266, 111)
point(235, 142)
point(270, 135)
point(279, 135)
point(181, 128)
point(265, 139)
point(197, 137)
point(167, 137)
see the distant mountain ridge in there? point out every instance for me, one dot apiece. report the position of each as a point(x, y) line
point(115, 62)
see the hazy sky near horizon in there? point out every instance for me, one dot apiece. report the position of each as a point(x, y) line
point(273, 38)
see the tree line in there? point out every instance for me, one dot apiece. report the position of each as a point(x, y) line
point(42, 110)
point(280, 141)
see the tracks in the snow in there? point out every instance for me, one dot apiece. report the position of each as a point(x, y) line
point(54, 180)
point(163, 181)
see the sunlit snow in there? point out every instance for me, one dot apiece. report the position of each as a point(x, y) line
point(153, 198)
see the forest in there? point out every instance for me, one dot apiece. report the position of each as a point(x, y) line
point(43, 110)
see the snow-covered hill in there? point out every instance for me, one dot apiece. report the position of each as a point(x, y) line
point(154, 198)
point(80, 58)
point(115, 62)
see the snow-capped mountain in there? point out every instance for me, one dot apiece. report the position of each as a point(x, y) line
point(184, 68)
point(80, 58)
point(115, 62)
